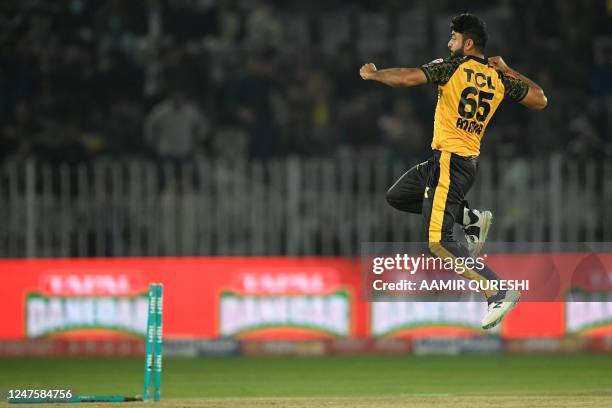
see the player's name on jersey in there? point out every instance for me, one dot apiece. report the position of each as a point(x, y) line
point(471, 126)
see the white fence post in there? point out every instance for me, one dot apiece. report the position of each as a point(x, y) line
point(286, 206)
point(30, 209)
point(555, 198)
point(293, 201)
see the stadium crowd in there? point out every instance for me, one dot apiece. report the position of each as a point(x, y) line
point(182, 79)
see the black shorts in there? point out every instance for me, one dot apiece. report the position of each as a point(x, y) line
point(436, 189)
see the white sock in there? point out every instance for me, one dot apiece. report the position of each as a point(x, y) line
point(466, 216)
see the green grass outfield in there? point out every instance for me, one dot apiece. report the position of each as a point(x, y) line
point(366, 381)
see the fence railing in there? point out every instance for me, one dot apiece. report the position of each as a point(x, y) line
point(289, 206)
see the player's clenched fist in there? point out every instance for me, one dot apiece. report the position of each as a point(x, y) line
point(499, 63)
point(367, 70)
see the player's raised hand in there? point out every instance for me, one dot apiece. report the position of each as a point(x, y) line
point(367, 70)
point(499, 63)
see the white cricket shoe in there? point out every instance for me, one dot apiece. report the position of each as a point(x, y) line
point(476, 232)
point(497, 310)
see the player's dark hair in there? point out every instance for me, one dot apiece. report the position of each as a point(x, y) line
point(472, 27)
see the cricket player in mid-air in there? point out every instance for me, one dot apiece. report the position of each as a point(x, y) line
point(470, 89)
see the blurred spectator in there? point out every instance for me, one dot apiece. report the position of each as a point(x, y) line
point(253, 99)
point(103, 63)
point(124, 127)
point(403, 133)
point(342, 69)
point(585, 141)
point(264, 29)
point(319, 97)
point(175, 128)
point(360, 124)
point(20, 133)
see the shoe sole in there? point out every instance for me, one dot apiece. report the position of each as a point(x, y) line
point(498, 321)
point(484, 232)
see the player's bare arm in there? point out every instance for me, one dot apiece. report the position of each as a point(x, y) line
point(535, 98)
point(395, 77)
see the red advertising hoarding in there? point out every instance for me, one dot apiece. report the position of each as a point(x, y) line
point(250, 298)
point(204, 297)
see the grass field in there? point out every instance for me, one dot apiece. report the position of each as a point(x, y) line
point(367, 381)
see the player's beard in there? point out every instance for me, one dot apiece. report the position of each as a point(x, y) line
point(458, 52)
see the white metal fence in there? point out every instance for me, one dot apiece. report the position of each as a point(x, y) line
point(289, 206)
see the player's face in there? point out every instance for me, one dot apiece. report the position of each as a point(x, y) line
point(455, 44)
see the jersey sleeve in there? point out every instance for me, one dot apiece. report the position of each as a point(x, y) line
point(515, 89)
point(440, 71)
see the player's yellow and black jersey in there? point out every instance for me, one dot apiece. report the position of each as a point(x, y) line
point(469, 93)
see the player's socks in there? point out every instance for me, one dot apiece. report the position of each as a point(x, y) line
point(476, 229)
point(469, 216)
